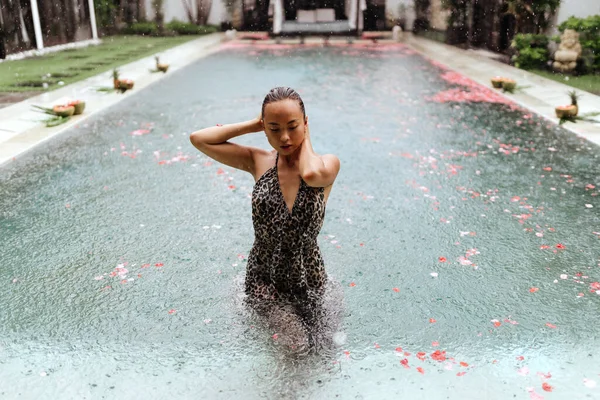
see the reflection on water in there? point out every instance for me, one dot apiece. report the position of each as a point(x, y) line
point(464, 237)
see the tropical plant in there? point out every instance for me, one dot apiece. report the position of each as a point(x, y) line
point(574, 97)
point(159, 16)
point(532, 16)
point(531, 51)
point(421, 21)
point(142, 28)
point(187, 28)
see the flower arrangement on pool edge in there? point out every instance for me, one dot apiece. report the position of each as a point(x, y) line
point(569, 110)
point(160, 67)
point(506, 84)
point(121, 84)
point(61, 113)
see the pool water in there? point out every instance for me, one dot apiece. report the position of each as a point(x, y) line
point(463, 230)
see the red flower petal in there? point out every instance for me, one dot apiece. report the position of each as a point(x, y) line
point(547, 387)
point(461, 373)
point(549, 325)
point(396, 289)
point(534, 289)
point(463, 364)
point(443, 259)
point(432, 321)
point(439, 355)
point(560, 246)
point(421, 370)
point(352, 284)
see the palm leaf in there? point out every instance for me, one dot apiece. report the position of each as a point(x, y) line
point(50, 122)
point(45, 110)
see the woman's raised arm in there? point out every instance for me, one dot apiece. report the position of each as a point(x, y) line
point(214, 142)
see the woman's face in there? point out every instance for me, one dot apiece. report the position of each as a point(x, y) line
point(285, 125)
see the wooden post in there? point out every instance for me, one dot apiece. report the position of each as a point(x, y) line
point(93, 19)
point(36, 25)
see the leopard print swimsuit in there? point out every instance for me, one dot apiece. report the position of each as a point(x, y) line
point(285, 262)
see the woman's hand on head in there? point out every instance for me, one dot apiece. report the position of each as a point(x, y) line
point(260, 124)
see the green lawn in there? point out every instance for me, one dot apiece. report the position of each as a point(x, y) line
point(73, 65)
point(589, 83)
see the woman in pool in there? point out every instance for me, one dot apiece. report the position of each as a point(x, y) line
point(292, 184)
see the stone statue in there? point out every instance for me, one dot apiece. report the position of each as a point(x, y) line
point(569, 50)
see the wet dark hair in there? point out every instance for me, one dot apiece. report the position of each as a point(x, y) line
point(282, 93)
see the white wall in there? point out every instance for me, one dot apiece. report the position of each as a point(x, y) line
point(439, 16)
point(392, 7)
point(218, 13)
point(174, 9)
point(578, 8)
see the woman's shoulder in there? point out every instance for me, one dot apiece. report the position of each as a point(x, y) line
point(264, 160)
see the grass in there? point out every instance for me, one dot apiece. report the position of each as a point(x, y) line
point(73, 65)
point(589, 83)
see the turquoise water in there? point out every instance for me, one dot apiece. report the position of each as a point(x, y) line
point(122, 254)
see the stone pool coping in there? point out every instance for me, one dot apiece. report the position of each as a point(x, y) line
point(20, 129)
point(20, 126)
point(540, 96)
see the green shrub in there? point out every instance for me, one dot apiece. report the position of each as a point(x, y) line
point(531, 51)
point(590, 24)
point(142, 28)
point(174, 27)
point(589, 37)
point(187, 28)
point(105, 15)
